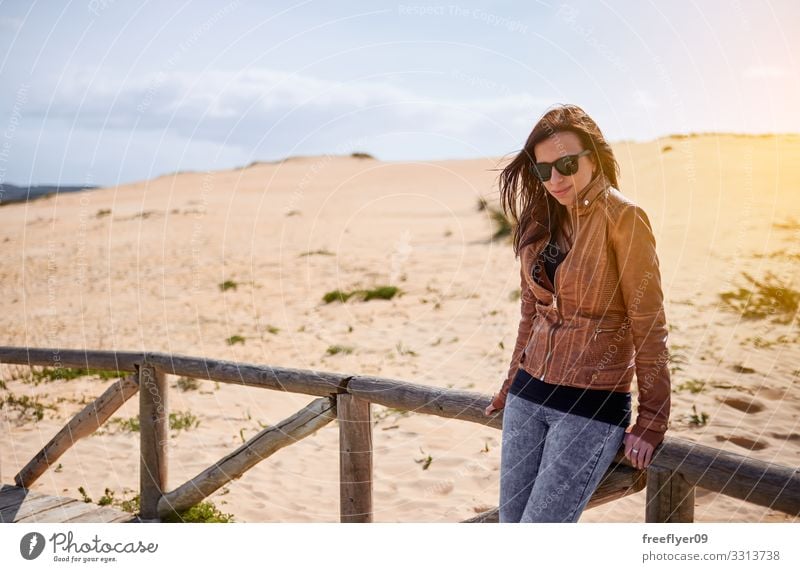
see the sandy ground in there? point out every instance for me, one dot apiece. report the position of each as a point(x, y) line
point(138, 267)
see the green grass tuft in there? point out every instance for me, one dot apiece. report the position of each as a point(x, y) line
point(49, 374)
point(339, 349)
point(377, 293)
point(187, 384)
point(765, 298)
point(502, 226)
point(204, 511)
point(27, 408)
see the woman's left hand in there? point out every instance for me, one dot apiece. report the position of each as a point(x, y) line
point(637, 450)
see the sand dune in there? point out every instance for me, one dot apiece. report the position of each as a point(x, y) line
point(139, 267)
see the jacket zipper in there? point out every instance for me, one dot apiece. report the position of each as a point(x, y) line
point(601, 330)
point(557, 324)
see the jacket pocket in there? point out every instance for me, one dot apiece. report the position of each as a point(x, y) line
point(609, 378)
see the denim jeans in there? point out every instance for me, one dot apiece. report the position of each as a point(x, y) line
point(551, 462)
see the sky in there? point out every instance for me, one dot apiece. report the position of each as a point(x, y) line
point(105, 92)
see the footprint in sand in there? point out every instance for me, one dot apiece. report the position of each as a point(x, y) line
point(744, 405)
point(786, 436)
point(744, 442)
point(772, 393)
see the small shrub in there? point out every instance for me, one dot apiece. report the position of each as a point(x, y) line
point(107, 498)
point(693, 385)
point(49, 374)
point(131, 424)
point(178, 420)
point(235, 339)
point(131, 505)
point(339, 349)
point(769, 297)
point(26, 406)
point(183, 420)
point(404, 351)
point(361, 155)
point(86, 497)
point(228, 285)
point(205, 511)
point(676, 360)
point(336, 295)
point(381, 293)
point(187, 384)
point(377, 293)
point(502, 226)
point(425, 461)
point(698, 419)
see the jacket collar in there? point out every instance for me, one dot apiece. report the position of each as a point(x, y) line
point(586, 198)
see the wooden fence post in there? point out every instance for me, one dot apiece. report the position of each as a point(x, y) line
point(670, 497)
point(153, 430)
point(355, 458)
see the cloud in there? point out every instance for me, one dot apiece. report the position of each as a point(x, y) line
point(764, 72)
point(7, 23)
point(244, 107)
point(644, 99)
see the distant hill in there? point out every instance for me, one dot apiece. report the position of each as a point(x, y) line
point(14, 194)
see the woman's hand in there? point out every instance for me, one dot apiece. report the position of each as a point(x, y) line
point(637, 450)
point(496, 405)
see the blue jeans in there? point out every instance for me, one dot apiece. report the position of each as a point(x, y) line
point(551, 462)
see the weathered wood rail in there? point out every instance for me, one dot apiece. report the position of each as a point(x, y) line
point(677, 468)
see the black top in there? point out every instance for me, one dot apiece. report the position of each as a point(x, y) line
point(608, 406)
point(552, 256)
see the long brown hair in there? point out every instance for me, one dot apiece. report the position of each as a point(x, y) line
point(539, 211)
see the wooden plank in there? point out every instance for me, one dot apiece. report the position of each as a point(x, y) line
point(22, 505)
point(304, 381)
point(153, 427)
point(101, 514)
point(758, 482)
point(126, 517)
point(60, 513)
point(11, 496)
point(355, 458)
point(305, 422)
point(619, 481)
point(32, 506)
point(60, 358)
point(81, 425)
point(423, 399)
point(765, 484)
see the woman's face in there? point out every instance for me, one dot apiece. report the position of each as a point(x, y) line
point(564, 188)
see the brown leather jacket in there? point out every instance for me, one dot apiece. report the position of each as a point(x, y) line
point(603, 320)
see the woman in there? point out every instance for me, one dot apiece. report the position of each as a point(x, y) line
point(592, 317)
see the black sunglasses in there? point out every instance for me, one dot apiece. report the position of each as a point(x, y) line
point(567, 166)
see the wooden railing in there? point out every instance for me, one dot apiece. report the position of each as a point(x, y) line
point(677, 468)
